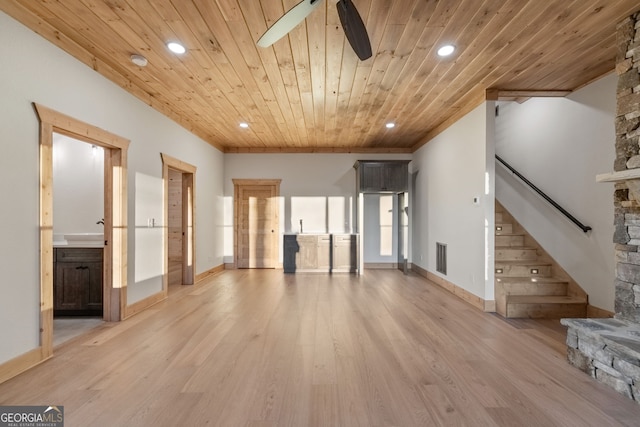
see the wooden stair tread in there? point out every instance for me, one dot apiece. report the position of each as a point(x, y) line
point(530, 279)
point(544, 299)
point(528, 283)
point(533, 262)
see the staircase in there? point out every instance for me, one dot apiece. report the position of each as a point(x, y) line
point(528, 282)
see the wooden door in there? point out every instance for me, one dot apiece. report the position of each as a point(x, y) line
point(256, 223)
point(179, 206)
point(174, 228)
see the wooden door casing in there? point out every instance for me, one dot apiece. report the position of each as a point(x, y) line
point(179, 204)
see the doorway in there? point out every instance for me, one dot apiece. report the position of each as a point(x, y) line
point(78, 237)
point(115, 217)
point(179, 203)
point(256, 222)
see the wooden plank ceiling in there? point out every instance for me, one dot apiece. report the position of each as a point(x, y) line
point(309, 91)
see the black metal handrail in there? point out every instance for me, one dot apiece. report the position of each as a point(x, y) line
point(573, 219)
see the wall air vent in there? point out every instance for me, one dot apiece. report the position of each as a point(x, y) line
point(441, 258)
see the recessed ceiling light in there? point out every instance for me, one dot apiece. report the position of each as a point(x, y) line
point(244, 125)
point(176, 47)
point(390, 125)
point(446, 50)
point(139, 60)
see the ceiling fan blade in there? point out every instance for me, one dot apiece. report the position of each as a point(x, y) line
point(288, 22)
point(354, 29)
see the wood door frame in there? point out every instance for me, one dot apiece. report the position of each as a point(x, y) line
point(188, 219)
point(402, 230)
point(115, 218)
point(237, 185)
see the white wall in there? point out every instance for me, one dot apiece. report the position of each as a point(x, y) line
point(561, 145)
point(33, 70)
point(78, 186)
point(448, 173)
point(380, 228)
point(317, 188)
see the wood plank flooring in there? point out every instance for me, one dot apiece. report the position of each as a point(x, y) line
point(261, 348)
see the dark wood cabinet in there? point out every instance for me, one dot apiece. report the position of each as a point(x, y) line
point(290, 248)
point(77, 282)
point(382, 176)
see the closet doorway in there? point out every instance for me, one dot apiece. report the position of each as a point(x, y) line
point(256, 222)
point(179, 239)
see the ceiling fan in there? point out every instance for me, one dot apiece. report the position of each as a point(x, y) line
point(350, 19)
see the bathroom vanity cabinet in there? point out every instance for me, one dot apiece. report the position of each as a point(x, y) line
point(77, 281)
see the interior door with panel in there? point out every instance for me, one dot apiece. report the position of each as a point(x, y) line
point(256, 223)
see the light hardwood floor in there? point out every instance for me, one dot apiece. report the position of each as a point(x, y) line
point(260, 348)
point(66, 328)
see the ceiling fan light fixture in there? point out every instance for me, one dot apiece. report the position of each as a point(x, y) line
point(446, 50)
point(139, 60)
point(350, 20)
point(176, 47)
point(354, 29)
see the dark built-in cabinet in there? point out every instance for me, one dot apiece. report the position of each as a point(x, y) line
point(382, 176)
point(320, 253)
point(77, 282)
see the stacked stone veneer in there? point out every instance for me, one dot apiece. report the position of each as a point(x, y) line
point(609, 349)
point(627, 207)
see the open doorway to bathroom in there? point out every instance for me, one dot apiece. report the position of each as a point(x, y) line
point(114, 271)
point(78, 237)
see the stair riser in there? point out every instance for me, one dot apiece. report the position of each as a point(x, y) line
point(522, 270)
point(529, 288)
point(509, 240)
point(516, 254)
point(526, 285)
point(538, 311)
point(504, 228)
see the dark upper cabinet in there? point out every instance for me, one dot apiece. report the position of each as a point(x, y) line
point(382, 176)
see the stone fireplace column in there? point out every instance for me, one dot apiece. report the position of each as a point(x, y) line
point(627, 193)
point(609, 349)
